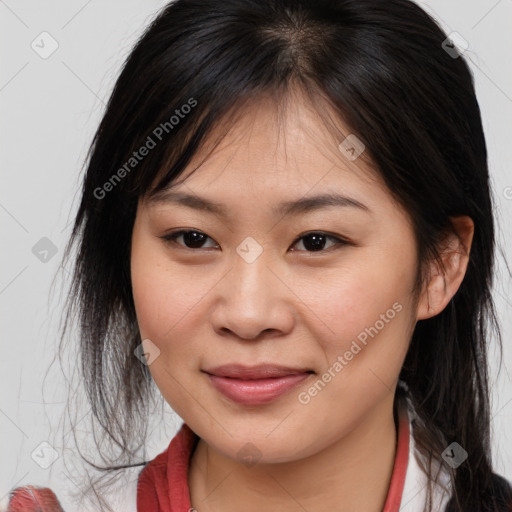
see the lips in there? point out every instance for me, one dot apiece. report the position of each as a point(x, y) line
point(256, 385)
point(264, 371)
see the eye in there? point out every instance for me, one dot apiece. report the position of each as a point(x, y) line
point(192, 239)
point(313, 241)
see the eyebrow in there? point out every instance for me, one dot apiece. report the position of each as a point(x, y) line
point(295, 207)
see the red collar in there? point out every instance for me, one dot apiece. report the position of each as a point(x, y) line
point(163, 483)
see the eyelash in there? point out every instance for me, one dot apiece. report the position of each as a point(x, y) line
point(171, 239)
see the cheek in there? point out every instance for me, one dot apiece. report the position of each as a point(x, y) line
point(150, 296)
point(162, 297)
point(154, 297)
point(169, 302)
point(165, 301)
point(370, 292)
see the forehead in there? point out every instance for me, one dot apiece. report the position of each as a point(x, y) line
point(271, 150)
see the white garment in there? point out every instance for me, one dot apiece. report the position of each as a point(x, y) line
point(414, 495)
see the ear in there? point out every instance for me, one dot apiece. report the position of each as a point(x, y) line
point(444, 283)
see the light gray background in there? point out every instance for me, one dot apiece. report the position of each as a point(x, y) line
point(50, 109)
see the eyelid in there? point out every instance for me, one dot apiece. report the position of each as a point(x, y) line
point(339, 240)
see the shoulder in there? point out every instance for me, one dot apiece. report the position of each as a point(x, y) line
point(496, 497)
point(164, 479)
point(152, 477)
point(502, 490)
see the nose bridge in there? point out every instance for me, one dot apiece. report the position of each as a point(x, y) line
point(250, 274)
point(251, 299)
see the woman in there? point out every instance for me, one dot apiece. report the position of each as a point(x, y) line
point(286, 225)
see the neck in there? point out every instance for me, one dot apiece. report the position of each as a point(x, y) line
point(353, 473)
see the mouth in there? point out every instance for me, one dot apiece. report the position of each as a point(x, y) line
point(256, 385)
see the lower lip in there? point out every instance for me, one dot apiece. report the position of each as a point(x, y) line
point(257, 391)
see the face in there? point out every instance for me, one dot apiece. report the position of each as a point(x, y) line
point(325, 290)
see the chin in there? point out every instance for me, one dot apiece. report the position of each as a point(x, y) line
point(251, 448)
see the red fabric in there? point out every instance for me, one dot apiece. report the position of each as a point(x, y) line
point(396, 487)
point(168, 471)
point(163, 483)
point(33, 499)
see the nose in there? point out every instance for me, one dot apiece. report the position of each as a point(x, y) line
point(253, 300)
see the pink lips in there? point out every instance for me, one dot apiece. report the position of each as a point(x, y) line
point(255, 385)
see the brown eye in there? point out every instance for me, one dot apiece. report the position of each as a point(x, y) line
point(315, 241)
point(192, 239)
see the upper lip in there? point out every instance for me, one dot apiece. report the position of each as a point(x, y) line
point(262, 371)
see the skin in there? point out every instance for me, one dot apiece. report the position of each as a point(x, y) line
point(204, 307)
